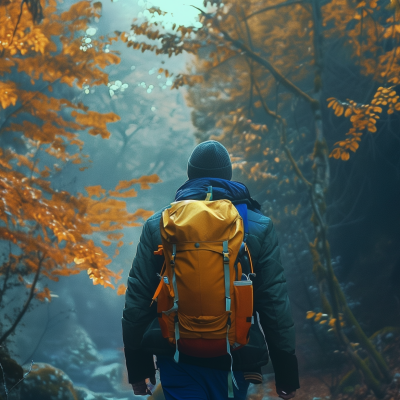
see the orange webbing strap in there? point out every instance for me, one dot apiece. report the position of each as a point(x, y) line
point(158, 290)
point(160, 250)
point(163, 268)
point(251, 262)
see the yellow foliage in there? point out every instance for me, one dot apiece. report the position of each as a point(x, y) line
point(53, 229)
point(8, 94)
point(121, 289)
point(144, 182)
point(115, 236)
point(95, 191)
point(96, 122)
point(318, 317)
point(363, 118)
point(44, 295)
point(310, 314)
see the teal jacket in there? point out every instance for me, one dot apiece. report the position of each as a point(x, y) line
point(271, 300)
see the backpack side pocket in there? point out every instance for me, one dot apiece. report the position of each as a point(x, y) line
point(243, 291)
point(164, 302)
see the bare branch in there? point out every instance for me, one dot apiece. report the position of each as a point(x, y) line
point(4, 379)
point(275, 7)
point(282, 124)
point(26, 305)
point(4, 288)
point(275, 73)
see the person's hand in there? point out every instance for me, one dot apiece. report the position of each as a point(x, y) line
point(285, 395)
point(141, 389)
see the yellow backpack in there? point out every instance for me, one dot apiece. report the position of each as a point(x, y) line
point(204, 307)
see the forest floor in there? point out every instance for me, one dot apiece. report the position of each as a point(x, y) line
point(314, 384)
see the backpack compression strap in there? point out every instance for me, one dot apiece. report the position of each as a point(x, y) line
point(225, 253)
point(175, 307)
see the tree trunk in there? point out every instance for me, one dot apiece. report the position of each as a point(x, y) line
point(318, 192)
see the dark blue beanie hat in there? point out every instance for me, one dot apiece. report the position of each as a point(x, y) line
point(209, 159)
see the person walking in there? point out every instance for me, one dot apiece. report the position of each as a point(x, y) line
point(271, 336)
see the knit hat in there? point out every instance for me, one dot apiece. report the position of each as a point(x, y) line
point(209, 159)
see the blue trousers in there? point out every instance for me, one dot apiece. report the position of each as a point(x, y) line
point(183, 381)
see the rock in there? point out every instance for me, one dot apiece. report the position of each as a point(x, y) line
point(109, 378)
point(46, 382)
point(389, 336)
point(111, 355)
point(105, 378)
point(77, 355)
point(12, 372)
point(86, 394)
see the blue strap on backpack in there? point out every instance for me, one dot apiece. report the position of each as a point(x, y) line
point(242, 210)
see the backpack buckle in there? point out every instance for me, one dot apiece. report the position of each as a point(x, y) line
point(226, 257)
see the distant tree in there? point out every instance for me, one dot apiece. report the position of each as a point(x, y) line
point(46, 231)
point(257, 67)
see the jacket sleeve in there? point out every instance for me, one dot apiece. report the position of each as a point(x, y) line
point(137, 314)
point(271, 301)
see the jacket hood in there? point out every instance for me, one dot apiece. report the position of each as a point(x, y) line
point(236, 192)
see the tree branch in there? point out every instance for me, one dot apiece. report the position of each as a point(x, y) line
point(282, 123)
point(275, 73)
point(8, 267)
point(275, 7)
point(27, 102)
point(26, 305)
point(4, 288)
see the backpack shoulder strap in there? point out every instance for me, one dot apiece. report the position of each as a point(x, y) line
point(246, 261)
point(242, 210)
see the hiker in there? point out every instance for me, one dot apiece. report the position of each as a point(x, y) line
point(206, 376)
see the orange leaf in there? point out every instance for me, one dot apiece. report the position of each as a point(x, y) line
point(336, 153)
point(310, 314)
point(345, 156)
point(121, 289)
point(115, 236)
point(354, 146)
point(339, 110)
point(95, 191)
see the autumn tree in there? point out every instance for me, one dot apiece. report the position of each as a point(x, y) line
point(259, 85)
point(46, 56)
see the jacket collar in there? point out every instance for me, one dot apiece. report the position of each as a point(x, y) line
point(236, 192)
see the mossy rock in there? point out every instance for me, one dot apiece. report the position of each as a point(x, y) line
point(12, 370)
point(348, 390)
point(46, 382)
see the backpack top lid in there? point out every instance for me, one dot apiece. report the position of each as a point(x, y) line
point(201, 221)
